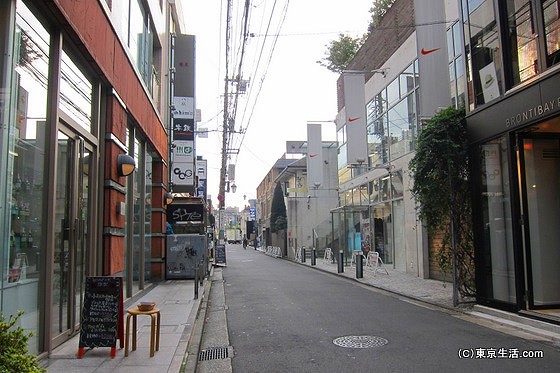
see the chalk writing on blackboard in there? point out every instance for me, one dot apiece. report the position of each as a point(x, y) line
point(101, 313)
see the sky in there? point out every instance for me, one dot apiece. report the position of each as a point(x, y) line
point(287, 87)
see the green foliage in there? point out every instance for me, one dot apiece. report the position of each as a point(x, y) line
point(378, 10)
point(442, 189)
point(340, 52)
point(14, 355)
point(278, 220)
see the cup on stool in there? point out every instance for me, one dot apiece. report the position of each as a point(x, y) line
point(148, 309)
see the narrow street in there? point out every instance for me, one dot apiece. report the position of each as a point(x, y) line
point(284, 317)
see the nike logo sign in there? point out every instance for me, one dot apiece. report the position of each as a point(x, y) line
point(428, 51)
point(313, 155)
point(353, 119)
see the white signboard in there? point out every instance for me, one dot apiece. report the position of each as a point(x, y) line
point(183, 107)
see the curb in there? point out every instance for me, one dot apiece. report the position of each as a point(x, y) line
point(190, 359)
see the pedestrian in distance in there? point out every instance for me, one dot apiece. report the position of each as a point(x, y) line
point(244, 241)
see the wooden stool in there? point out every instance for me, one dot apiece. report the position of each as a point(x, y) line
point(154, 335)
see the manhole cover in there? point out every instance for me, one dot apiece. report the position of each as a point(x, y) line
point(360, 341)
point(213, 353)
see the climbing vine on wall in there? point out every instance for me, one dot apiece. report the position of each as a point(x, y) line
point(442, 188)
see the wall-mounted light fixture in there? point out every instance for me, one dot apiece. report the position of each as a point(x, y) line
point(168, 198)
point(125, 164)
point(382, 71)
point(233, 187)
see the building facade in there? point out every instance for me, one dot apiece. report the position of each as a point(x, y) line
point(308, 203)
point(82, 84)
point(512, 55)
point(398, 79)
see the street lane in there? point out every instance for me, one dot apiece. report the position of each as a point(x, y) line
point(283, 317)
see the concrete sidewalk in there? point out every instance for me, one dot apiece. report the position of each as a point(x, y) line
point(179, 309)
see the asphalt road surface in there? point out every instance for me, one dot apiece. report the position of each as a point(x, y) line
point(285, 317)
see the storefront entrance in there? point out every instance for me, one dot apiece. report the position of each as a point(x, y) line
point(539, 183)
point(72, 206)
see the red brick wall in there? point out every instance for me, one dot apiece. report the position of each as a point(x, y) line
point(94, 32)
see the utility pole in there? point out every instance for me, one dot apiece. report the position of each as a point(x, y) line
point(225, 134)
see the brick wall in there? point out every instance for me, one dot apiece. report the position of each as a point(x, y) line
point(395, 27)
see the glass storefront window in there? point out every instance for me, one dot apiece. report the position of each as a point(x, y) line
point(24, 161)
point(482, 46)
point(522, 41)
point(382, 241)
point(75, 93)
point(148, 219)
point(498, 271)
point(551, 15)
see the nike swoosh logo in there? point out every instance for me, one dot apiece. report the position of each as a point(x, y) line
point(353, 119)
point(313, 155)
point(428, 51)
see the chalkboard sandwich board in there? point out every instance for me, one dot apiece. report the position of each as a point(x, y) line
point(220, 255)
point(102, 314)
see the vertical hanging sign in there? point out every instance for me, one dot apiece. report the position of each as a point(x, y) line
point(354, 100)
point(183, 126)
point(314, 155)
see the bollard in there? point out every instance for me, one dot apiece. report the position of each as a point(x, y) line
point(340, 261)
point(359, 266)
point(303, 254)
point(195, 283)
point(313, 256)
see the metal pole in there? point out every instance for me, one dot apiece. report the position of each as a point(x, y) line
point(195, 283)
point(303, 254)
point(340, 261)
point(313, 256)
point(359, 266)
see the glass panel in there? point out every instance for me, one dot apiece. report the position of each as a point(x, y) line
point(407, 80)
point(484, 58)
point(460, 71)
point(457, 39)
point(62, 246)
point(452, 83)
point(75, 93)
point(450, 55)
point(148, 220)
point(397, 184)
point(396, 220)
point(374, 191)
point(377, 147)
point(551, 14)
point(83, 236)
point(138, 218)
point(23, 161)
point(522, 39)
point(497, 261)
point(542, 183)
point(393, 94)
point(382, 232)
point(401, 128)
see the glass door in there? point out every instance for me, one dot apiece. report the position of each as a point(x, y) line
point(540, 182)
point(71, 233)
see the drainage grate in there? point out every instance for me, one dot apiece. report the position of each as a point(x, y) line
point(213, 353)
point(360, 341)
